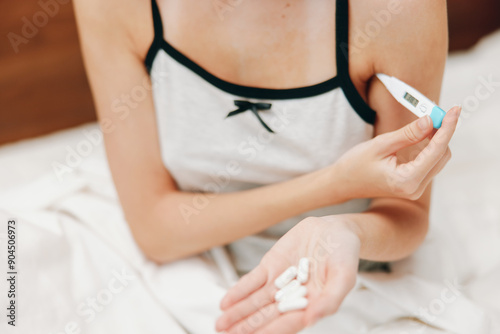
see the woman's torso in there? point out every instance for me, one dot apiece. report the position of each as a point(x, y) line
point(205, 58)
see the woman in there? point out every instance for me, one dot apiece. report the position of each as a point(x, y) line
point(229, 123)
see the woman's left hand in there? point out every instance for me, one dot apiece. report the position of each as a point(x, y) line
point(332, 246)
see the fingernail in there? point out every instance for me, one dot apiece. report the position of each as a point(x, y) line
point(457, 108)
point(456, 113)
point(423, 122)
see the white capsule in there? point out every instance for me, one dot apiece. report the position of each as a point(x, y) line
point(292, 304)
point(300, 292)
point(289, 288)
point(303, 271)
point(286, 277)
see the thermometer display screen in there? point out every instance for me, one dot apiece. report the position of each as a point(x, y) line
point(408, 97)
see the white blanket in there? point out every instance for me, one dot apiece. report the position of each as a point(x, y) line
point(81, 272)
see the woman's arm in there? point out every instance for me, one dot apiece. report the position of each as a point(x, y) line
point(167, 223)
point(412, 47)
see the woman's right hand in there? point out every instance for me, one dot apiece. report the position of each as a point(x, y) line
point(373, 169)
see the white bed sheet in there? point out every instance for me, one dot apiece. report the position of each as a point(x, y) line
point(75, 249)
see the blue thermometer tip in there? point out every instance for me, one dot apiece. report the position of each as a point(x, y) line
point(437, 116)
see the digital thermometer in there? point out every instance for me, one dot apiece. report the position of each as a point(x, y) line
point(413, 100)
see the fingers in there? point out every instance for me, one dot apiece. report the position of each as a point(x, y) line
point(337, 286)
point(435, 170)
point(245, 286)
point(411, 134)
point(439, 166)
point(437, 147)
point(246, 307)
point(256, 321)
point(258, 313)
point(269, 320)
point(288, 323)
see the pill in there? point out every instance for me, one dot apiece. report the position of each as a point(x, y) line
point(292, 304)
point(286, 277)
point(303, 271)
point(290, 287)
point(300, 292)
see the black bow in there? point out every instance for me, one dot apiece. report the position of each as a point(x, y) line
point(254, 107)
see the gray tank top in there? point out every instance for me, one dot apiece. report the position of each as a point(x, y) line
point(217, 136)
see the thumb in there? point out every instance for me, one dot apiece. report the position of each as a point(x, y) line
point(411, 134)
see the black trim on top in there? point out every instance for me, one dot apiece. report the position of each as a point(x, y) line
point(342, 79)
point(239, 90)
point(350, 91)
point(158, 36)
point(247, 91)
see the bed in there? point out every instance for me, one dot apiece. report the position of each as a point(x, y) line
point(81, 272)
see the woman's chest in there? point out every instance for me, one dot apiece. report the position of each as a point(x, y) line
point(273, 44)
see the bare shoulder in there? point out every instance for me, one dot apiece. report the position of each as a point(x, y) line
point(113, 24)
point(404, 38)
